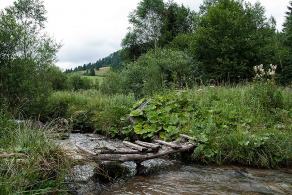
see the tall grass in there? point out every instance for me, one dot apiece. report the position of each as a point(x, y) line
point(39, 166)
point(90, 110)
point(250, 125)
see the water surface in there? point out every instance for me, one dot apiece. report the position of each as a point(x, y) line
point(208, 180)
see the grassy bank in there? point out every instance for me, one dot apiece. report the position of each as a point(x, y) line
point(248, 125)
point(90, 110)
point(36, 165)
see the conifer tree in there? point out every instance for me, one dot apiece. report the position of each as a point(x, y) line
point(286, 75)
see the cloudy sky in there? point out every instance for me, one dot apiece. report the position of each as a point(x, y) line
point(92, 29)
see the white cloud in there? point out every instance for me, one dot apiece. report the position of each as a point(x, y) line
point(92, 29)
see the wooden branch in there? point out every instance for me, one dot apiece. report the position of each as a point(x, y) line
point(123, 151)
point(85, 150)
point(169, 144)
point(135, 146)
point(187, 137)
point(12, 155)
point(148, 145)
point(142, 157)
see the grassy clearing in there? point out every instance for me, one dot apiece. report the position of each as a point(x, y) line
point(99, 74)
point(249, 125)
point(40, 169)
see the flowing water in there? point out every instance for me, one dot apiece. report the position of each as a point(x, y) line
point(208, 180)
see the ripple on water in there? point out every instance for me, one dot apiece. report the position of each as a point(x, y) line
point(208, 180)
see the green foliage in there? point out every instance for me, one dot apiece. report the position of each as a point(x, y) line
point(26, 55)
point(154, 71)
point(155, 24)
point(90, 110)
point(250, 125)
point(165, 116)
point(286, 73)
point(113, 83)
point(57, 78)
point(231, 39)
point(78, 82)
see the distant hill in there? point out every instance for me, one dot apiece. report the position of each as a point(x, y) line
point(113, 60)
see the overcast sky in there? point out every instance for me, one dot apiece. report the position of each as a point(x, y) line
point(92, 29)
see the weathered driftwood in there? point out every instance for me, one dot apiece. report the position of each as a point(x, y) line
point(142, 157)
point(148, 145)
point(116, 151)
point(12, 155)
point(169, 144)
point(187, 137)
point(85, 150)
point(135, 146)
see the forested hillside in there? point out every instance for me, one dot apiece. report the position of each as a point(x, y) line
point(114, 61)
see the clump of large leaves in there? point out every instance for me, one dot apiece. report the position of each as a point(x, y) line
point(163, 116)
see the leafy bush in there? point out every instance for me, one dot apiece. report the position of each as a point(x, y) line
point(154, 71)
point(78, 82)
point(250, 125)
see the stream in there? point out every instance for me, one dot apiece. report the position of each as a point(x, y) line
point(207, 180)
point(164, 176)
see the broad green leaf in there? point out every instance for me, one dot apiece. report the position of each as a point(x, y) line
point(137, 112)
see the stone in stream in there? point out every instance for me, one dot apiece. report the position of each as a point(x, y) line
point(82, 179)
point(111, 171)
point(155, 166)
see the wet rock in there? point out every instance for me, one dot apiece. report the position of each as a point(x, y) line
point(110, 171)
point(132, 168)
point(154, 166)
point(83, 173)
point(82, 179)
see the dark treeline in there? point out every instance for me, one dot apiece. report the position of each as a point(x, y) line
point(170, 46)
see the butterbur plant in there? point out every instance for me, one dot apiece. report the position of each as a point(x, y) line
point(265, 75)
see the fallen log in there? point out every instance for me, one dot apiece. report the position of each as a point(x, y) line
point(169, 144)
point(85, 150)
point(148, 145)
point(135, 146)
point(116, 151)
point(142, 157)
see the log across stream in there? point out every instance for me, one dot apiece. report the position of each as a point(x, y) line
point(139, 151)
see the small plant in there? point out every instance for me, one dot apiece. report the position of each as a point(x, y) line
point(265, 75)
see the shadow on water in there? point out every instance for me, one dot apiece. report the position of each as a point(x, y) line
point(208, 180)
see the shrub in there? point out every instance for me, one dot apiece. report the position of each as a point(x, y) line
point(154, 71)
point(112, 84)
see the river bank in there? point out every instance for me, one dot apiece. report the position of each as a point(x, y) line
point(164, 176)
